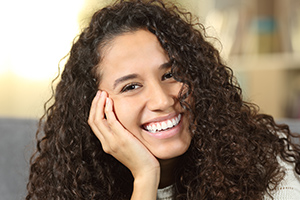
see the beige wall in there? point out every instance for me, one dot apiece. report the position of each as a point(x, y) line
point(21, 97)
point(34, 36)
point(43, 38)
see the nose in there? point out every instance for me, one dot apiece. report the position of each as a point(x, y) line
point(160, 97)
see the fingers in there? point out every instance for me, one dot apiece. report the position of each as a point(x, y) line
point(104, 127)
point(112, 121)
point(116, 140)
point(99, 103)
point(96, 117)
point(93, 107)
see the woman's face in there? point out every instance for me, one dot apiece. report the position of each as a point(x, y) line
point(135, 72)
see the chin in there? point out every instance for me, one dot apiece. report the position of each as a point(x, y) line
point(169, 154)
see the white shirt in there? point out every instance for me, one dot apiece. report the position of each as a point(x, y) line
point(288, 189)
point(166, 193)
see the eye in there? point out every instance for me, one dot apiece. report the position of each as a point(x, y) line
point(167, 75)
point(131, 86)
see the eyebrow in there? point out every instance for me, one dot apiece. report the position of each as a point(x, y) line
point(124, 78)
point(133, 76)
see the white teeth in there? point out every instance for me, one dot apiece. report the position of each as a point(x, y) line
point(149, 128)
point(170, 124)
point(174, 121)
point(178, 118)
point(164, 125)
point(154, 127)
point(158, 126)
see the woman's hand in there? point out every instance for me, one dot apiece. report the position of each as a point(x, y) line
point(124, 146)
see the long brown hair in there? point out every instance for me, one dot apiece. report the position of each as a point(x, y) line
point(234, 150)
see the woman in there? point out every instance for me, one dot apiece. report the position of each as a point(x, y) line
point(146, 109)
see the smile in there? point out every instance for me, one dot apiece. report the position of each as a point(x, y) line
point(163, 125)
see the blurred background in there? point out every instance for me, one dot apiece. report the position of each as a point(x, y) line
point(258, 39)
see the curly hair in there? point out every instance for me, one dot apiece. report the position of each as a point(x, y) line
point(234, 150)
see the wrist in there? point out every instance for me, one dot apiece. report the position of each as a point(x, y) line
point(145, 186)
point(152, 177)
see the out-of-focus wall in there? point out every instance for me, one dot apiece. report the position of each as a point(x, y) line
point(34, 36)
point(258, 40)
point(22, 97)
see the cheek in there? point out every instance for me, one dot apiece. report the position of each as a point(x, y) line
point(176, 88)
point(127, 113)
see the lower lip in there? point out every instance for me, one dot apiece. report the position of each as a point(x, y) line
point(168, 133)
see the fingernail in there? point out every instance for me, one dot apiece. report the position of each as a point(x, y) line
point(107, 101)
point(98, 93)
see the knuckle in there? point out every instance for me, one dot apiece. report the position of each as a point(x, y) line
point(106, 149)
point(111, 122)
point(114, 148)
point(122, 143)
point(97, 118)
point(90, 121)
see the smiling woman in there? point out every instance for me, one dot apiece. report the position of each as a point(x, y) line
point(145, 109)
point(136, 68)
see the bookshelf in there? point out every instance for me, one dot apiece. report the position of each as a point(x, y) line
point(260, 41)
point(269, 69)
point(270, 80)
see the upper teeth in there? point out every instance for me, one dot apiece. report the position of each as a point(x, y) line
point(155, 127)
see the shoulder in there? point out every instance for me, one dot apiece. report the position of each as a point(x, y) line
point(289, 187)
point(166, 193)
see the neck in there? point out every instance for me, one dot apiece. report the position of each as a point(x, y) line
point(167, 174)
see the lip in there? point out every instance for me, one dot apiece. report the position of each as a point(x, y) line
point(160, 119)
point(167, 133)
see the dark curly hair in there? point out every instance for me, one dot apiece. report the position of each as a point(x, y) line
point(234, 149)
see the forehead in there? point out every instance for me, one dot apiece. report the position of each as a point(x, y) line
point(130, 51)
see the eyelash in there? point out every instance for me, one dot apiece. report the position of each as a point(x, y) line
point(128, 87)
point(169, 73)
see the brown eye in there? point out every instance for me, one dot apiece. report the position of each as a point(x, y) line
point(131, 86)
point(167, 75)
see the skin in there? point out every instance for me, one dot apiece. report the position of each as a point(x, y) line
point(137, 88)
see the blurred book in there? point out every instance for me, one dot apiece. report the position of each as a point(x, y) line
point(256, 27)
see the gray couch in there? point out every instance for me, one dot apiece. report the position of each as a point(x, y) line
point(16, 146)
